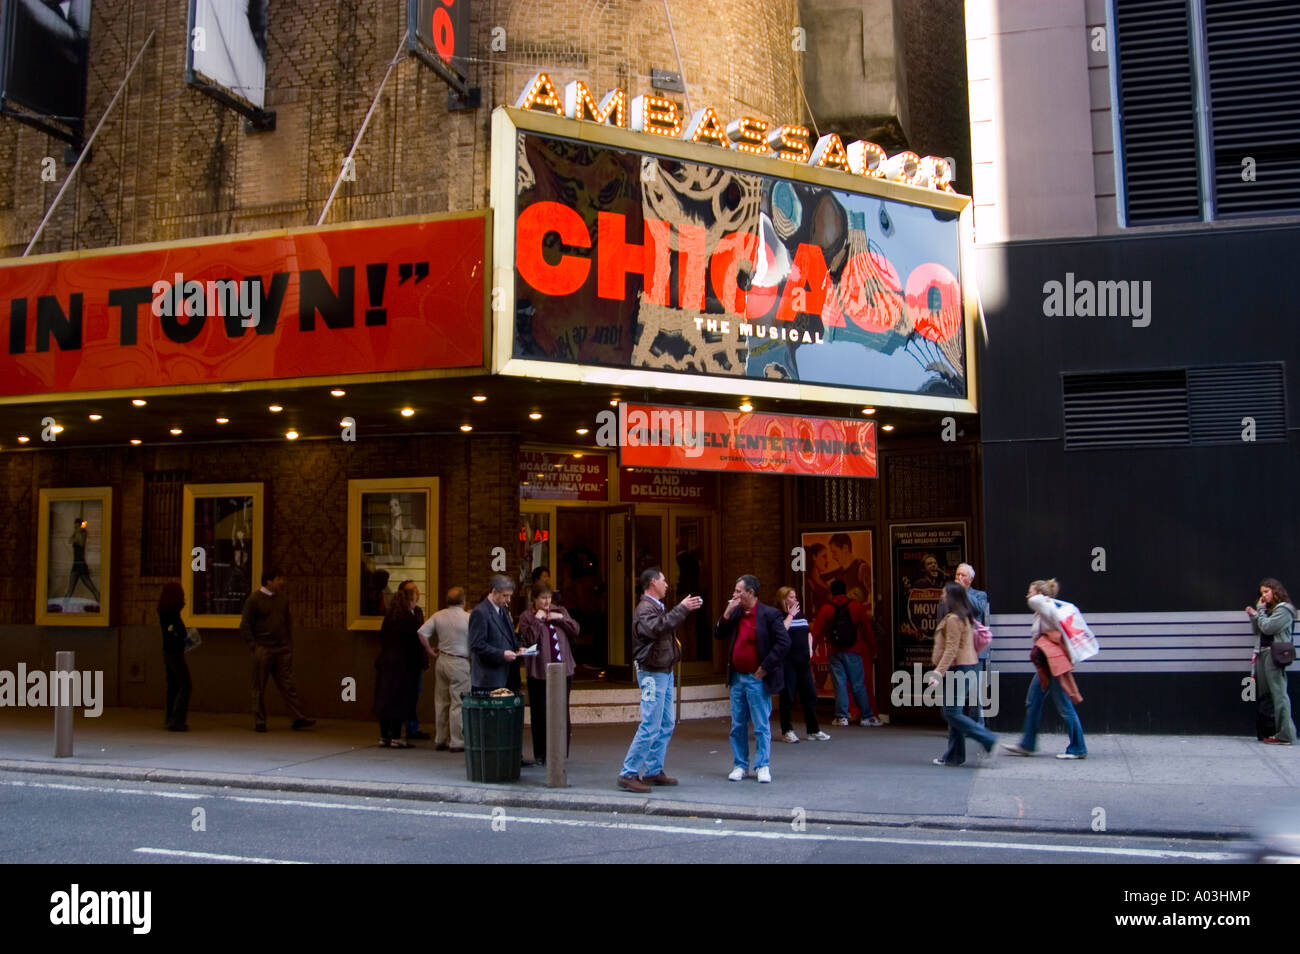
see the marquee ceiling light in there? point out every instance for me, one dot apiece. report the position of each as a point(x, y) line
point(223, 420)
point(291, 435)
point(407, 411)
point(480, 398)
point(467, 428)
point(135, 440)
point(868, 410)
point(888, 427)
point(338, 392)
point(96, 417)
point(577, 454)
point(275, 408)
point(23, 439)
point(746, 407)
point(139, 402)
point(345, 423)
point(57, 428)
point(175, 431)
point(535, 415)
point(614, 402)
point(583, 431)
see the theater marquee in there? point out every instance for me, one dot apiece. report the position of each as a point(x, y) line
point(701, 263)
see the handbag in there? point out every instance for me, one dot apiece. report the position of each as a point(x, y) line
point(982, 637)
point(192, 638)
point(1282, 653)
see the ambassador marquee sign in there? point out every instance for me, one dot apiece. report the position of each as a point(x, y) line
point(658, 116)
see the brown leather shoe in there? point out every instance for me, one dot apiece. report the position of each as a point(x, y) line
point(632, 784)
point(660, 779)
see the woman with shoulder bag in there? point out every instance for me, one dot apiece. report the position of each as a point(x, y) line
point(1273, 617)
point(954, 651)
point(549, 627)
point(1053, 678)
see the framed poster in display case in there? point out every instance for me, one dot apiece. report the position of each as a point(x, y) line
point(923, 557)
point(835, 555)
point(392, 537)
point(221, 551)
point(74, 556)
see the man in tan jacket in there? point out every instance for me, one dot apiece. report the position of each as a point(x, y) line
point(657, 651)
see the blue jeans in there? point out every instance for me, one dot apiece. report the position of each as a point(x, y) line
point(750, 702)
point(645, 756)
point(974, 707)
point(961, 725)
point(414, 724)
point(847, 673)
point(1034, 712)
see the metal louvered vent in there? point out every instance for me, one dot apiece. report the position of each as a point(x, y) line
point(1253, 50)
point(1221, 399)
point(1183, 407)
point(1125, 409)
point(1157, 111)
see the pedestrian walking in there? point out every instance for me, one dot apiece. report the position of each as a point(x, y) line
point(549, 627)
point(1053, 677)
point(1272, 618)
point(170, 603)
point(656, 651)
point(449, 629)
point(756, 651)
point(798, 671)
point(397, 668)
point(846, 624)
point(268, 630)
point(979, 601)
point(956, 670)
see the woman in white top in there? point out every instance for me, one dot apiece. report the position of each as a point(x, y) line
point(1041, 599)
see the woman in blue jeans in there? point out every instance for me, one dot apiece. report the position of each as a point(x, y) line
point(1041, 596)
point(956, 665)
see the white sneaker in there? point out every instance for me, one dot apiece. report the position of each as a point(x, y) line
point(765, 774)
point(819, 737)
point(737, 774)
point(839, 721)
point(873, 722)
point(790, 736)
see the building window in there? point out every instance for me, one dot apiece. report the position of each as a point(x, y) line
point(160, 537)
point(1208, 108)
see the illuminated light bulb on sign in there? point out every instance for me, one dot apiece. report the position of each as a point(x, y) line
point(580, 104)
point(866, 159)
point(541, 95)
point(790, 143)
point(707, 127)
point(749, 135)
point(829, 154)
point(657, 115)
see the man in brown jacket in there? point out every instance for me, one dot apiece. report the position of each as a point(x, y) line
point(657, 651)
point(267, 630)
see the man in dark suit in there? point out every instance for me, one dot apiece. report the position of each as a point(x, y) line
point(755, 662)
point(492, 642)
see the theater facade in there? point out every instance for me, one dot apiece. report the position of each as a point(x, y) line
point(712, 342)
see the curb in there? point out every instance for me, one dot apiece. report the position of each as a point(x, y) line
point(588, 801)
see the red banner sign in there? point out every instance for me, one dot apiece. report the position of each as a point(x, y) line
point(307, 303)
point(700, 439)
point(647, 485)
point(544, 476)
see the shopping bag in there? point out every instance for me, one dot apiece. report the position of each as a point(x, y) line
point(192, 638)
point(1079, 640)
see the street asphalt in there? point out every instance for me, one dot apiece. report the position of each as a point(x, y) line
point(1136, 785)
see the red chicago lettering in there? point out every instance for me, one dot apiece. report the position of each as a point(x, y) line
point(616, 257)
point(535, 223)
point(807, 272)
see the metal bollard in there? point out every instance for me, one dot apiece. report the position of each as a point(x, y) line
point(63, 662)
point(557, 726)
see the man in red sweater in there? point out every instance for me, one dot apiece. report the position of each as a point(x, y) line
point(847, 625)
point(755, 670)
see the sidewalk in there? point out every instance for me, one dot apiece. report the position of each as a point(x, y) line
point(1147, 785)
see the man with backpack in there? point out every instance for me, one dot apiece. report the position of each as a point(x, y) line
point(846, 625)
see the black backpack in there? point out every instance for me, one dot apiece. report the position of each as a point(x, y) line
point(843, 632)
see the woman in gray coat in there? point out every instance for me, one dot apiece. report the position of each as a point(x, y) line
point(1273, 617)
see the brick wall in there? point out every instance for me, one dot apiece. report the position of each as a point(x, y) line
point(172, 163)
point(305, 535)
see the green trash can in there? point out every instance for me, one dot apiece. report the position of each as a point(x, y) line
point(494, 737)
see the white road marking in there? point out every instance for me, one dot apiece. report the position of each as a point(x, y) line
point(209, 856)
point(1152, 853)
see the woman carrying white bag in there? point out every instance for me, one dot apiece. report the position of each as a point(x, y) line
point(1061, 639)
